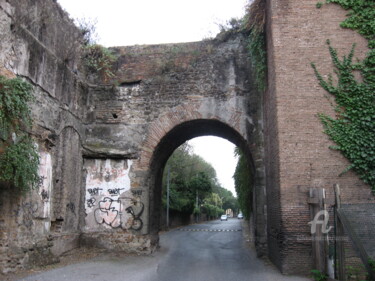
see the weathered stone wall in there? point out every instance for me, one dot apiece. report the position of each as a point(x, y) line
point(163, 95)
point(40, 43)
point(103, 147)
point(298, 156)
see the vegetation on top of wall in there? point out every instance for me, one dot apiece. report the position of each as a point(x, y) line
point(19, 159)
point(242, 182)
point(353, 127)
point(99, 59)
point(96, 58)
point(254, 27)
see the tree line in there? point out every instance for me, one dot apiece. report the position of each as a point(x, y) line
point(193, 185)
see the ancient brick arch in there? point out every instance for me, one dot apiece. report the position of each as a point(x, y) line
point(124, 129)
point(170, 141)
point(173, 93)
point(188, 113)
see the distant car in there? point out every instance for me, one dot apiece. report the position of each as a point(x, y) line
point(240, 216)
point(228, 216)
point(223, 218)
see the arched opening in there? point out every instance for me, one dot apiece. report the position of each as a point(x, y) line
point(198, 184)
point(172, 140)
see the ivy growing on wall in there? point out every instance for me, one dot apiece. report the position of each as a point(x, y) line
point(19, 159)
point(243, 183)
point(353, 127)
point(254, 22)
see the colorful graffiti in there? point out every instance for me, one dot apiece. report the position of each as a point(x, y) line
point(109, 201)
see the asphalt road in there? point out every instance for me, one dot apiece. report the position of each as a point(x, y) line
point(212, 251)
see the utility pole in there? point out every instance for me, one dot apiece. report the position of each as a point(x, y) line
point(197, 208)
point(168, 199)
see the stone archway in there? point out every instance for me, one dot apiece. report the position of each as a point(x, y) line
point(169, 142)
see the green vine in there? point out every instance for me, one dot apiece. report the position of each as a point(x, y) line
point(257, 52)
point(254, 22)
point(19, 159)
point(243, 183)
point(19, 164)
point(353, 127)
point(14, 110)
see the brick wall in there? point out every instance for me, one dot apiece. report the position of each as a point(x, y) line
point(300, 159)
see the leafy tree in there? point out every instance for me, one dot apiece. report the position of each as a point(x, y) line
point(213, 205)
point(199, 183)
point(189, 175)
point(192, 176)
point(213, 199)
point(227, 197)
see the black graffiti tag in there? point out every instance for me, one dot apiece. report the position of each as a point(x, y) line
point(115, 191)
point(44, 194)
point(41, 180)
point(91, 202)
point(136, 213)
point(94, 191)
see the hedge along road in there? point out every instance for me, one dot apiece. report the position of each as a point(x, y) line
point(212, 251)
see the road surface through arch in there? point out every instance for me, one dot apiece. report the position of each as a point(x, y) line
point(212, 251)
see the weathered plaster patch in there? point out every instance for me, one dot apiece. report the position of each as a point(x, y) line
point(45, 188)
point(109, 202)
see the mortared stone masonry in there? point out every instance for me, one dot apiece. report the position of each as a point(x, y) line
point(104, 143)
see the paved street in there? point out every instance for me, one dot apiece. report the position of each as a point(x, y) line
point(212, 251)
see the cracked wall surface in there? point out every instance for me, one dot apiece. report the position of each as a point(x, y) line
point(103, 144)
point(39, 43)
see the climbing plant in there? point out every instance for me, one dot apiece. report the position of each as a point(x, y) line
point(243, 183)
point(353, 127)
point(253, 25)
point(19, 160)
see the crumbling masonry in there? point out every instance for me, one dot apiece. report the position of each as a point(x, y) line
point(103, 144)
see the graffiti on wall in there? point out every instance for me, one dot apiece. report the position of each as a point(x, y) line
point(109, 203)
point(37, 205)
point(120, 213)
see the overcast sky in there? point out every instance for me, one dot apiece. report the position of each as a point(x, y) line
point(220, 154)
point(137, 22)
point(131, 22)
